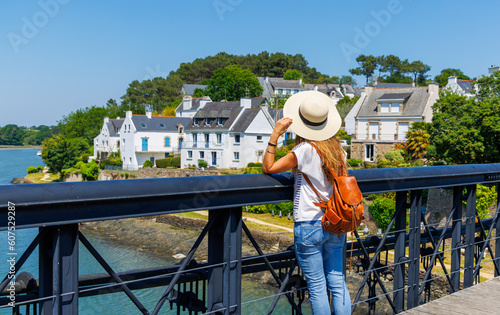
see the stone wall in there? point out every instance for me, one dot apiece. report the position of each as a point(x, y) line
point(358, 150)
point(154, 172)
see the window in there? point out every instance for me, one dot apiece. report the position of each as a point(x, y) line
point(219, 138)
point(207, 140)
point(295, 91)
point(369, 152)
point(384, 107)
point(196, 121)
point(402, 130)
point(288, 91)
point(259, 138)
point(202, 154)
point(181, 129)
point(195, 140)
point(143, 125)
point(220, 121)
point(167, 142)
point(190, 154)
point(280, 91)
point(162, 125)
point(395, 108)
point(373, 131)
point(123, 141)
point(237, 138)
point(236, 155)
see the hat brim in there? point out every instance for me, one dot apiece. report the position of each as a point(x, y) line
point(318, 133)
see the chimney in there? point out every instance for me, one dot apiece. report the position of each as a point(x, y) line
point(204, 101)
point(434, 87)
point(187, 102)
point(368, 89)
point(106, 120)
point(148, 114)
point(117, 117)
point(300, 81)
point(128, 114)
point(246, 102)
point(452, 80)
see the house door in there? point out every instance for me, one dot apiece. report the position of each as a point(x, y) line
point(403, 130)
point(214, 158)
point(180, 143)
point(152, 159)
point(144, 144)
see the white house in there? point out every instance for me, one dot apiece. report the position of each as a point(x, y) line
point(146, 137)
point(384, 115)
point(227, 134)
point(190, 105)
point(273, 87)
point(334, 91)
point(108, 140)
point(464, 87)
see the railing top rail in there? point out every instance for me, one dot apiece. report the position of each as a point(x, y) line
point(66, 203)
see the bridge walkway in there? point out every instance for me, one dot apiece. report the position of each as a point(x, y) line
point(482, 298)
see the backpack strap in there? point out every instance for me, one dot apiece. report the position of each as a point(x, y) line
point(312, 186)
point(341, 169)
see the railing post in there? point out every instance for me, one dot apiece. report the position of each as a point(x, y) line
point(414, 248)
point(224, 250)
point(399, 251)
point(58, 259)
point(470, 232)
point(456, 238)
point(497, 231)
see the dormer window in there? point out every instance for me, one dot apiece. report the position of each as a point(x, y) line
point(392, 102)
point(395, 107)
point(208, 121)
point(162, 125)
point(196, 121)
point(143, 125)
point(219, 121)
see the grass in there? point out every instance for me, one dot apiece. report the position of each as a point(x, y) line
point(37, 177)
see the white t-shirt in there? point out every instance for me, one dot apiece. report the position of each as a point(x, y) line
point(309, 162)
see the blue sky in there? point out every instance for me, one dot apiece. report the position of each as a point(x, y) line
point(61, 55)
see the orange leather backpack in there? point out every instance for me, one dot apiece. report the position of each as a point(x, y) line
point(343, 212)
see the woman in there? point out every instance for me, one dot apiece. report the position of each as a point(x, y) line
point(312, 116)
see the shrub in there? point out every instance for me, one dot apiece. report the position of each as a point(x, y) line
point(31, 170)
point(147, 163)
point(39, 168)
point(395, 155)
point(354, 162)
point(90, 171)
point(484, 199)
point(163, 163)
point(384, 163)
point(251, 164)
point(257, 209)
point(202, 164)
point(258, 164)
point(253, 170)
point(281, 152)
point(127, 175)
point(85, 157)
point(176, 162)
point(382, 211)
point(419, 163)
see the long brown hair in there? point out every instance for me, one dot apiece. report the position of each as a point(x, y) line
point(333, 155)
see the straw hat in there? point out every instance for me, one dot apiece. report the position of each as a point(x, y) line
point(314, 115)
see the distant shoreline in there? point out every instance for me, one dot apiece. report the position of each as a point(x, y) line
point(24, 147)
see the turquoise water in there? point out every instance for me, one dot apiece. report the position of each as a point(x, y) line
point(13, 163)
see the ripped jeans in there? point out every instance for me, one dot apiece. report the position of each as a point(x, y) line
point(319, 254)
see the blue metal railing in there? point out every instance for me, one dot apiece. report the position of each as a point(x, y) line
point(56, 209)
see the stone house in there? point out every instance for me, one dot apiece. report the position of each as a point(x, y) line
point(382, 117)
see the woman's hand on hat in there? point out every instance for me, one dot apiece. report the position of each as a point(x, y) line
point(282, 125)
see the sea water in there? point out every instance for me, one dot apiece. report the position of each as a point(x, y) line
point(13, 163)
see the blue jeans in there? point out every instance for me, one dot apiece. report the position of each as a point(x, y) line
point(320, 256)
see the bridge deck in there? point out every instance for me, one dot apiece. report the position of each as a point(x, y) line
point(483, 298)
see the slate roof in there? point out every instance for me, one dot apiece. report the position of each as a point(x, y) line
point(272, 113)
point(214, 110)
point(465, 85)
point(158, 123)
point(394, 96)
point(114, 126)
point(279, 83)
point(245, 119)
point(256, 101)
point(188, 89)
point(382, 85)
point(416, 99)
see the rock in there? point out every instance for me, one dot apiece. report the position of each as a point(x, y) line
point(21, 180)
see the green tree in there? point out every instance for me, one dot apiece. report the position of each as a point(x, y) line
point(417, 140)
point(12, 135)
point(382, 211)
point(367, 66)
point(232, 82)
point(466, 130)
point(60, 152)
point(442, 78)
point(292, 74)
point(419, 70)
point(83, 123)
point(345, 105)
